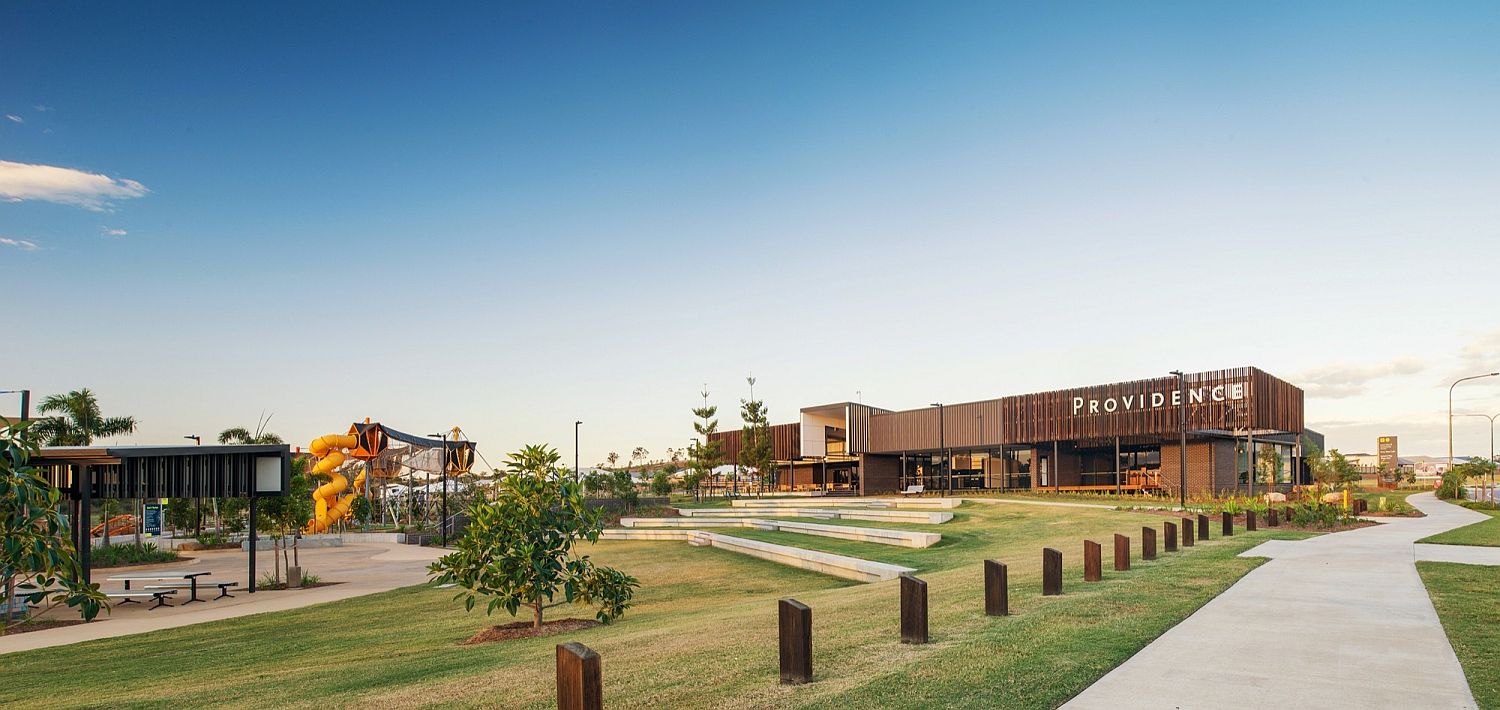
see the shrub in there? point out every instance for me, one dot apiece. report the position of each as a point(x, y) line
point(661, 484)
point(124, 553)
point(1452, 487)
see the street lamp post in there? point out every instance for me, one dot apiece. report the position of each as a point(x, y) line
point(25, 402)
point(576, 424)
point(943, 447)
point(197, 501)
point(1182, 438)
point(1490, 417)
point(443, 470)
point(1450, 409)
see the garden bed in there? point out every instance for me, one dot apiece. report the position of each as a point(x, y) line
point(1215, 522)
point(281, 586)
point(523, 630)
point(42, 625)
point(173, 561)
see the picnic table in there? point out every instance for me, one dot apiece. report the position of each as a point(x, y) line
point(191, 577)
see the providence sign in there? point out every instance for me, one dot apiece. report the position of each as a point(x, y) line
point(1227, 392)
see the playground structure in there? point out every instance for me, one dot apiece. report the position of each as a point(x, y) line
point(384, 455)
point(118, 525)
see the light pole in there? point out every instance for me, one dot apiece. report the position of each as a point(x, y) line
point(943, 447)
point(1490, 417)
point(443, 470)
point(1450, 409)
point(576, 424)
point(1182, 439)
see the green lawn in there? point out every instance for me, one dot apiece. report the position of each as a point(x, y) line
point(702, 635)
point(1484, 532)
point(1464, 596)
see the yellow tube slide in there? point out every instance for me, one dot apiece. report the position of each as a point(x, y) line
point(330, 506)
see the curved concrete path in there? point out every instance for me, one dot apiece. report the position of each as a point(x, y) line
point(361, 569)
point(1338, 620)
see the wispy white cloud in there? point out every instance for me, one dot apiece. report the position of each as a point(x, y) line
point(21, 244)
point(14, 118)
point(50, 183)
point(1340, 380)
point(108, 232)
point(42, 108)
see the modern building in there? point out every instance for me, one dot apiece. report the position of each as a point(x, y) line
point(1116, 437)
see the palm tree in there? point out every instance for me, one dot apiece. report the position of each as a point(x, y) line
point(79, 420)
point(241, 435)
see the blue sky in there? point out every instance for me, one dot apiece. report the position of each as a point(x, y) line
point(511, 217)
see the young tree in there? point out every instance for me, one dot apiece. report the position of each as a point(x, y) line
point(1268, 464)
point(612, 458)
point(661, 483)
point(756, 449)
point(36, 551)
point(704, 453)
point(518, 549)
point(283, 516)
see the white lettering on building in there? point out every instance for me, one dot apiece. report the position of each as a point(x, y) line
point(1218, 393)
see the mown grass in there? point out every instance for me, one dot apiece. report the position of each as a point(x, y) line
point(1485, 533)
point(1464, 596)
point(702, 634)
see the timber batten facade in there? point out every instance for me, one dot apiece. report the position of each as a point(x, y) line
point(1115, 436)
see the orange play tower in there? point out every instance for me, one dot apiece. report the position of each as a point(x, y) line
point(366, 441)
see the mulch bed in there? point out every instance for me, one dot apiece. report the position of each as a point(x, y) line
point(523, 630)
point(1260, 522)
point(282, 587)
point(42, 625)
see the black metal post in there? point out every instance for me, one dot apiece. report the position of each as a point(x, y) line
point(25, 405)
point(85, 513)
point(251, 542)
point(444, 469)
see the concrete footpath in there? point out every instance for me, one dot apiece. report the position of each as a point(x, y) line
point(1339, 620)
point(358, 569)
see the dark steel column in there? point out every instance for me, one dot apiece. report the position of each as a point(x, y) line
point(85, 512)
point(250, 543)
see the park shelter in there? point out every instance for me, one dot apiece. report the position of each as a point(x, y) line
point(86, 474)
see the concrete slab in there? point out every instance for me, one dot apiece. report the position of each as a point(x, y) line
point(920, 517)
point(869, 502)
point(1462, 554)
point(1339, 620)
point(841, 566)
point(879, 536)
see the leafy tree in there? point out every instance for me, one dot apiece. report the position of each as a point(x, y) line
point(284, 515)
point(78, 420)
point(612, 458)
point(518, 549)
point(1330, 470)
point(241, 435)
point(756, 446)
point(622, 486)
point(1268, 464)
point(637, 454)
point(36, 551)
point(661, 483)
point(704, 453)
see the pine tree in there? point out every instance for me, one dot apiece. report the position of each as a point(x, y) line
point(755, 442)
point(705, 453)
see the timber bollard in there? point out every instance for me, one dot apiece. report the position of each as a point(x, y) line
point(913, 610)
point(795, 625)
point(580, 678)
point(1228, 524)
point(1202, 526)
point(1272, 519)
point(1169, 535)
point(1148, 543)
point(1051, 572)
point(1187, 532)
point(1093, 567)
point(996, 589)
point(1122, 553)
point(1250, 520)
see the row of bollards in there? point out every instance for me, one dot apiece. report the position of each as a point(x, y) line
point(579, 670)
